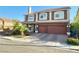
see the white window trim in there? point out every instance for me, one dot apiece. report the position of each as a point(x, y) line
point(29, 18)
point(58, 12)
point(43, 19)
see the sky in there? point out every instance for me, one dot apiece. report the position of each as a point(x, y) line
point(18, 12)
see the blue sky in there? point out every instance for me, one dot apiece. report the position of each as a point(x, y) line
point(18, 12)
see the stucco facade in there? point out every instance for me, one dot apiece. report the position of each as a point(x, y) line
point(6, 24)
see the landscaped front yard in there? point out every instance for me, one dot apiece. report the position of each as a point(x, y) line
point(73, 41)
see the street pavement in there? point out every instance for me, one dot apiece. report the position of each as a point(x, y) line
point(32, 49)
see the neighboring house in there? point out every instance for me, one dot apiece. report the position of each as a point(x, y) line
point(6, 24)
point(1, 24)
point(52, 21)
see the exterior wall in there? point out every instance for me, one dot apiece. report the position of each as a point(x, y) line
point(50, 16)
point(1, 24)
point(6, 24)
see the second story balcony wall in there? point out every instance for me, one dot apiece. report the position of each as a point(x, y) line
point(59, 15)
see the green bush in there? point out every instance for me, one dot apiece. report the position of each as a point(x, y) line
point(20, 28)
point(16, 32)
point(73, 41)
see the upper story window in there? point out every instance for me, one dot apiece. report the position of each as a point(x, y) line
point(43, 16)
point(31, 18)
point(59, 15)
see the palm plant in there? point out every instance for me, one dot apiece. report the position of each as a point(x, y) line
point(20, 27)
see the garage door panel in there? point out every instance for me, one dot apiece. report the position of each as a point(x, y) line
point(42, 29)
point(57, 29)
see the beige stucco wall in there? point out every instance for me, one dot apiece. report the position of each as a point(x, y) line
point(1, 24)
point(6, 23)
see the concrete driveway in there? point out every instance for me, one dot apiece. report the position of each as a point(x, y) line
point(49, 38)
point(37, 39)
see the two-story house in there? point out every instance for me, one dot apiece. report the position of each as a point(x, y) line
point(52, 21)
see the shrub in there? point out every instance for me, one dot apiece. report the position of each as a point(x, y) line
point(20, 28)
point(75, 26)
point(16, 32)
point(73, 41)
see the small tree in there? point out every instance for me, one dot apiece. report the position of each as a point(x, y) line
point(76, 26)
point(20, 27)
point(76, 23)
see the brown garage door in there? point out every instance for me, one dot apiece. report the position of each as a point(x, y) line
point(53, 28)
point(57, 29)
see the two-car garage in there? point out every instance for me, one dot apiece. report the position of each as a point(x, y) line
point(53, 28)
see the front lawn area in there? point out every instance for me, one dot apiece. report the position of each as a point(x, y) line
point(73, 41)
